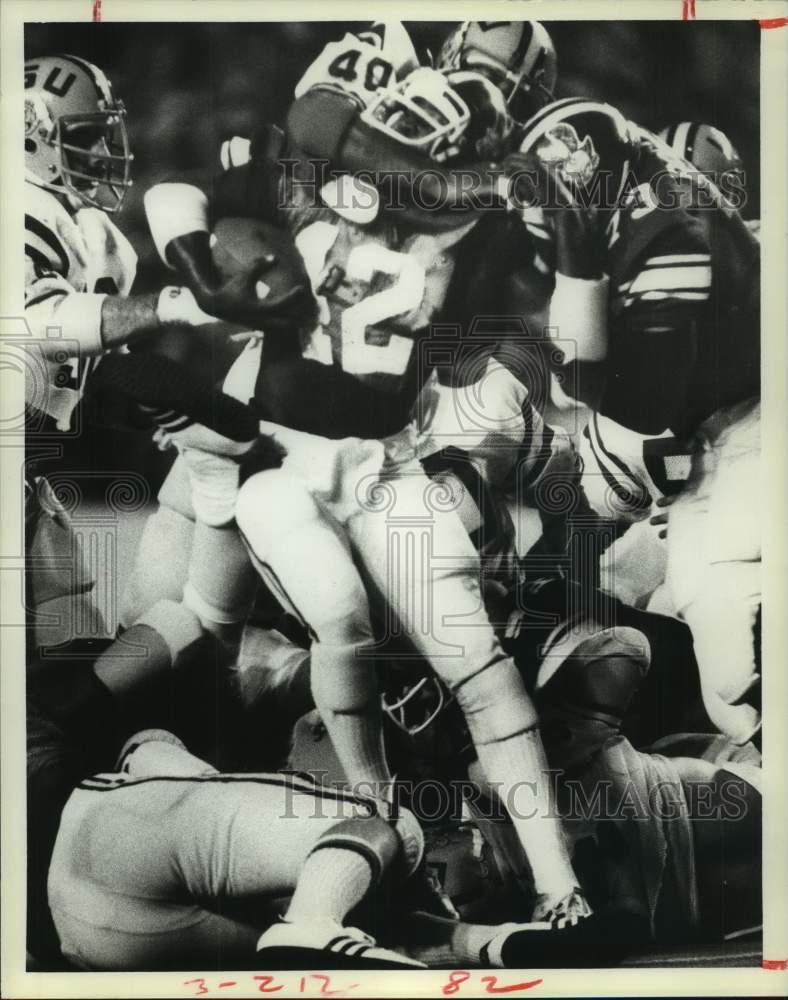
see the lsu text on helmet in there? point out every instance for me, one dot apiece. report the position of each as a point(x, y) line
point(76, 141)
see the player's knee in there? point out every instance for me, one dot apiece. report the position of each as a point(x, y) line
point(271, 503)
point(495, 703)
point(161, 563)
point(726, 658)
point(212, 614)
point(370, 836)
point(740, 722)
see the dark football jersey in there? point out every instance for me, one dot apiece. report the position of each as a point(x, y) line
point(684, 320)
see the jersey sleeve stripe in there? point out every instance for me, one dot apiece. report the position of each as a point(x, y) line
point(40, 261)
point(625, 493)
point(678, 258)
point(628, 300)
point(45, 234)
point(44, 296)
point(670, 279)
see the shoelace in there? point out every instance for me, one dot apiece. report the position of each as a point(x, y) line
point(568, 912)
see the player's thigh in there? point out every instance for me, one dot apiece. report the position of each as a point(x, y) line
point(300, 550)
point(161, 564)
point(420, 558)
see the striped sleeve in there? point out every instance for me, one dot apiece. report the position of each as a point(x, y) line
point(52, 304)
point(44, 247)
point(678, 277)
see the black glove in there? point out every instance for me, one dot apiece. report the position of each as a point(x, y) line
point(236, 299)
point(578, 246)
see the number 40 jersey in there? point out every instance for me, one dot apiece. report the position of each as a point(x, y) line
point(359, 64)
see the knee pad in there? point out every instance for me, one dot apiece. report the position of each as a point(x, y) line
point(177, 624)
point(214, 485)
point(495, 703)
point(176, 492)
point(370, 836)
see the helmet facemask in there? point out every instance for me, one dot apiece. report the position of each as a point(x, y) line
point(527, 81)
point(445, 116)
point(94, 155)
point(423, 112)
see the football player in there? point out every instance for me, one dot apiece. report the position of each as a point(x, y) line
point(79, 269)
point(342, 394)
point(158, 861)
point(709, 150)
point(516, 57)
point(79, 266)
point(674, 358)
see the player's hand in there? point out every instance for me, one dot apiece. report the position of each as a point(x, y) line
point(658, 520)
point(247, 299)
point(534, 184)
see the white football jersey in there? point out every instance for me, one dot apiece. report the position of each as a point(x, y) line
point(72, 260)
point(359, 65)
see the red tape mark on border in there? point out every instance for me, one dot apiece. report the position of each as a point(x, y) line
point(96, 11)
point(687, 9)
point(774, 22)
point(775, 965)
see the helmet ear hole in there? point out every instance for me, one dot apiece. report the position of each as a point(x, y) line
point(31, 146)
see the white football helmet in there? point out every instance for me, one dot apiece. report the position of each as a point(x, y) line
point(444, 115)
point(76, 141)
point(422, 111)
point(517, 56)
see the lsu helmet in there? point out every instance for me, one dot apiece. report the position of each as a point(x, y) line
point(443, 116)
point(75, 132)
point(706, 148)
point(517, 56)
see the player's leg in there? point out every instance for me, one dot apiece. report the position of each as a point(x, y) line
point(714, 551)
point(422, 560)
point(302, 555)
point(162, 561)
point(128, 853)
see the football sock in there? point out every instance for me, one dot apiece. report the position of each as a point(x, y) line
point(346, 694)
point(517, 768)
point(439, 941)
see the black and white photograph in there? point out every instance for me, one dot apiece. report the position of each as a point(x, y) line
point(384, 561)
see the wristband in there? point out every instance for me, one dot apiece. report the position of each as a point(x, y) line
point(178, 305)
point(578, 315)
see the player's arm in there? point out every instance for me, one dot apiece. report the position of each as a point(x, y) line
point(181, 213)
point(97, 321)
point(327, 126)
point(566, 238)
